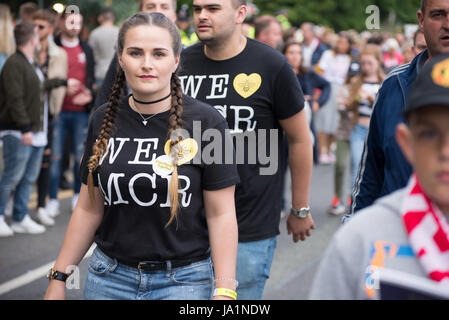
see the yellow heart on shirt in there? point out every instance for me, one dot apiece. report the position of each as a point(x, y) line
point(246, 85)
point(187, 151)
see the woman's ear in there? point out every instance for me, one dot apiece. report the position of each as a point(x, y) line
point(177, 59)
point(119, 58)
point(404, 140)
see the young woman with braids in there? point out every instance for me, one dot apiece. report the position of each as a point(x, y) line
point(159, 219)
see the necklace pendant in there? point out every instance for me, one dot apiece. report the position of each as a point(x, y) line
point(145, 122)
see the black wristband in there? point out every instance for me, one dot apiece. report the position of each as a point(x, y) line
point(57, 275)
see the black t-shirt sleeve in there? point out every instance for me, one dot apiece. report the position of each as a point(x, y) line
point(221, 174)
point(288, 98)
point(90, 140)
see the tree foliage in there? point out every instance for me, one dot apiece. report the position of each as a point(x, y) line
point(343, 15)
point(338, 14)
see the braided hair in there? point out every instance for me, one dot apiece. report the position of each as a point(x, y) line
point(100, 147)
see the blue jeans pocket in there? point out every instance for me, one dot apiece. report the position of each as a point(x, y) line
point(100, 264)
point(199, 273)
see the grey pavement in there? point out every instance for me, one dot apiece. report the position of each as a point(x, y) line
point(292, 272)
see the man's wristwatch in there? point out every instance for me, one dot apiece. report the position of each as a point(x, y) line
point(57, 275)
point(301, 213)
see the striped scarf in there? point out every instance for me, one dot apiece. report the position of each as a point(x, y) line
point(428, 232)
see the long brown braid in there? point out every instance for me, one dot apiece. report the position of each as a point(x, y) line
point(106, 130)
point(176, 110)
point(175, 123)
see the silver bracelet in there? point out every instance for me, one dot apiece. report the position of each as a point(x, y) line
point(228, 279)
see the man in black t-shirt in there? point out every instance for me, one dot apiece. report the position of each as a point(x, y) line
point(255, 89)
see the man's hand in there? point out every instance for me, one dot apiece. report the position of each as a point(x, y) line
point(315, 106)
point(83, 98)
point(73, 86)
point(27, 138)
point(301, 228)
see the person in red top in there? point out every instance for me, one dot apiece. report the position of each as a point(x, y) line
point(74, 116)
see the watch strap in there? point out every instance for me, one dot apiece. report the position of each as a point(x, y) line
point(301, 213)
point(57, 275)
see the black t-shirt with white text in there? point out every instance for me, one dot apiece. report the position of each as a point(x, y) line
point(253, 91)
point(135, 186)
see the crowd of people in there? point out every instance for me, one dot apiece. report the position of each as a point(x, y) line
point(116, 99)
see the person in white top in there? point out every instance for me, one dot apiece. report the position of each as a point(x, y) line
point(313, 48)
point(103, 40)
point(333, 66)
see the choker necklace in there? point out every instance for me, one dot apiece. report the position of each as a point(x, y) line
point(151, 102)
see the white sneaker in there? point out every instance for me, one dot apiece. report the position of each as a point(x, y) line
point(9, 207)
point(5, 230)
point(52, 208)
point(75, 200)
point(27, 226)
point(337, 210)
point(44, 218)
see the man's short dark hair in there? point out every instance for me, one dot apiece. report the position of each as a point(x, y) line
point(415, 36)
point(23, 32)
point(107, 14)
point(263, 22)
point(28, 8)
point(423, 5)
point(173, 1)
point(46, 15)
point(238, 3)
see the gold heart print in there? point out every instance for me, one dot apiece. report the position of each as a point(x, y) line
point(246, 85)
point(187, 151)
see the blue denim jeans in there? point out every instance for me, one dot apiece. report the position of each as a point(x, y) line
point(109, 280)
point(22, 167)
point(358, 136)
point(253, 267)
point(76, 123)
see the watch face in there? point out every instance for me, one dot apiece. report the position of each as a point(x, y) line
point(302, 214)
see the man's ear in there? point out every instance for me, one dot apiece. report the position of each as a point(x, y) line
point(420, 15)
point(404, 140)
point(241, 14)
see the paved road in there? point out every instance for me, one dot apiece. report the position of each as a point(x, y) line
point(292, 271)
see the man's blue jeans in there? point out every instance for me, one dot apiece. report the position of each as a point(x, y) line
point(253, 267)
point(76, 123)
point(22, 167)
point(358, 136)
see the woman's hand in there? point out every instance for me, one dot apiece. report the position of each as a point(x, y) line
point(55, 290)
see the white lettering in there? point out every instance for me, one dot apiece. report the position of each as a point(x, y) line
point(189, 88)
point(152, 144)
point(251, 126)
point(113, 178)
point(217, 91)
point(111, 146)
point(152, 178)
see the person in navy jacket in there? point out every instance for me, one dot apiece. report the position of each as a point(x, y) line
point(384, 169)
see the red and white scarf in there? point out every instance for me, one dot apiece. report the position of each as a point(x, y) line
point(428, 232)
